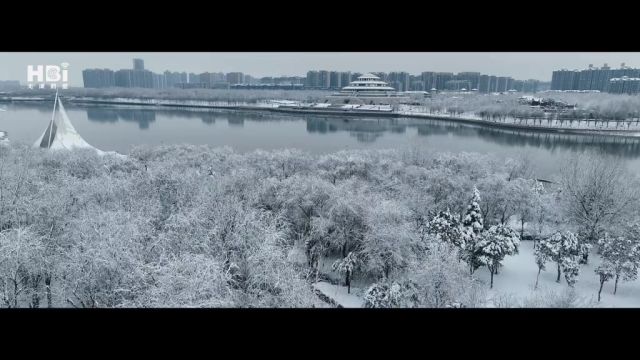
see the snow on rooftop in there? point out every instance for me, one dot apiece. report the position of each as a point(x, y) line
point(368, 76)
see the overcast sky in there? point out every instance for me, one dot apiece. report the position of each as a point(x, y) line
point(517, 65)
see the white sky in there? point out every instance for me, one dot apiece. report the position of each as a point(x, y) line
point(518, 65)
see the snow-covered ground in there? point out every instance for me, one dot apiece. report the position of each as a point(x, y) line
point(340, 295)
point(514, 284)
point(518, 276)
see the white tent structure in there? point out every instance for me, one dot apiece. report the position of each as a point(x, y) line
point(61, 135)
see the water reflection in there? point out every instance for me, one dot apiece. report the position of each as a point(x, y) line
point(368, 130)
point(236, 119)
point(142, 117)
point(280, 128)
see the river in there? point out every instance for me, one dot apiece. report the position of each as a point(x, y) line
point(118, 128)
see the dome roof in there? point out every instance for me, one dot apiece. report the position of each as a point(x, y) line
point(368, 76)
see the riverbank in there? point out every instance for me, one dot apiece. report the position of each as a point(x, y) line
point(578, 127)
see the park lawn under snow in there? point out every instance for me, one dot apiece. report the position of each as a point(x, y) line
point(518, 276)
point(516, 280)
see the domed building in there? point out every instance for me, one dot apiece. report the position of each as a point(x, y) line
point(368, 89)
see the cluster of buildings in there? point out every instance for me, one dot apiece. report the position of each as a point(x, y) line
point(426, 81)
point(624, 80)
point(139, 77)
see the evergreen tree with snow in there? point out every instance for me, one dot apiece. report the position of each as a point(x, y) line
point(472, 227)
point(564, 250)
point(346, 266)
point(622, 253)
point(473, 217)
point(571, 269)
point(494, 244)
point(445, 226)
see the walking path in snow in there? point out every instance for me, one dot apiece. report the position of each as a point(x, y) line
point(339, 295)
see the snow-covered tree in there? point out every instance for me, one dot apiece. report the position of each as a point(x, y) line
point(473, 226)
point(473, 217)
point(22, 260)
point(543, 253)
point(524, 198)
point(564, 250)
point(390, 295)
point(571, 270)
point(597, 193)
point(494, 244)
point(442, 281)
point(342, 225)
point(346, 266)
point(498, 197)
point(622, 253)
point(445, 226)
point(605, 271)
point(584, 247)
point(387, 244)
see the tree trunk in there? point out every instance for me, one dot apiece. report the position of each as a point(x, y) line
point(521, 227)
point(348, 283)
point(615, 287)
point(15, 293)
point(491, 271)
point(537, 278)
point(47, 282)
point(600, 291)
point(558, 279)
point(35, 301)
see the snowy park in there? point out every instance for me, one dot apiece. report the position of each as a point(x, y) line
point(200, 226)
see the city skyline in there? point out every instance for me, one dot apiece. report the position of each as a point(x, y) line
point(516, 65)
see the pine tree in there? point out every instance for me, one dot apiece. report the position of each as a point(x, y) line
point(445, 226)
point(472, 227)
point(473, 216)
